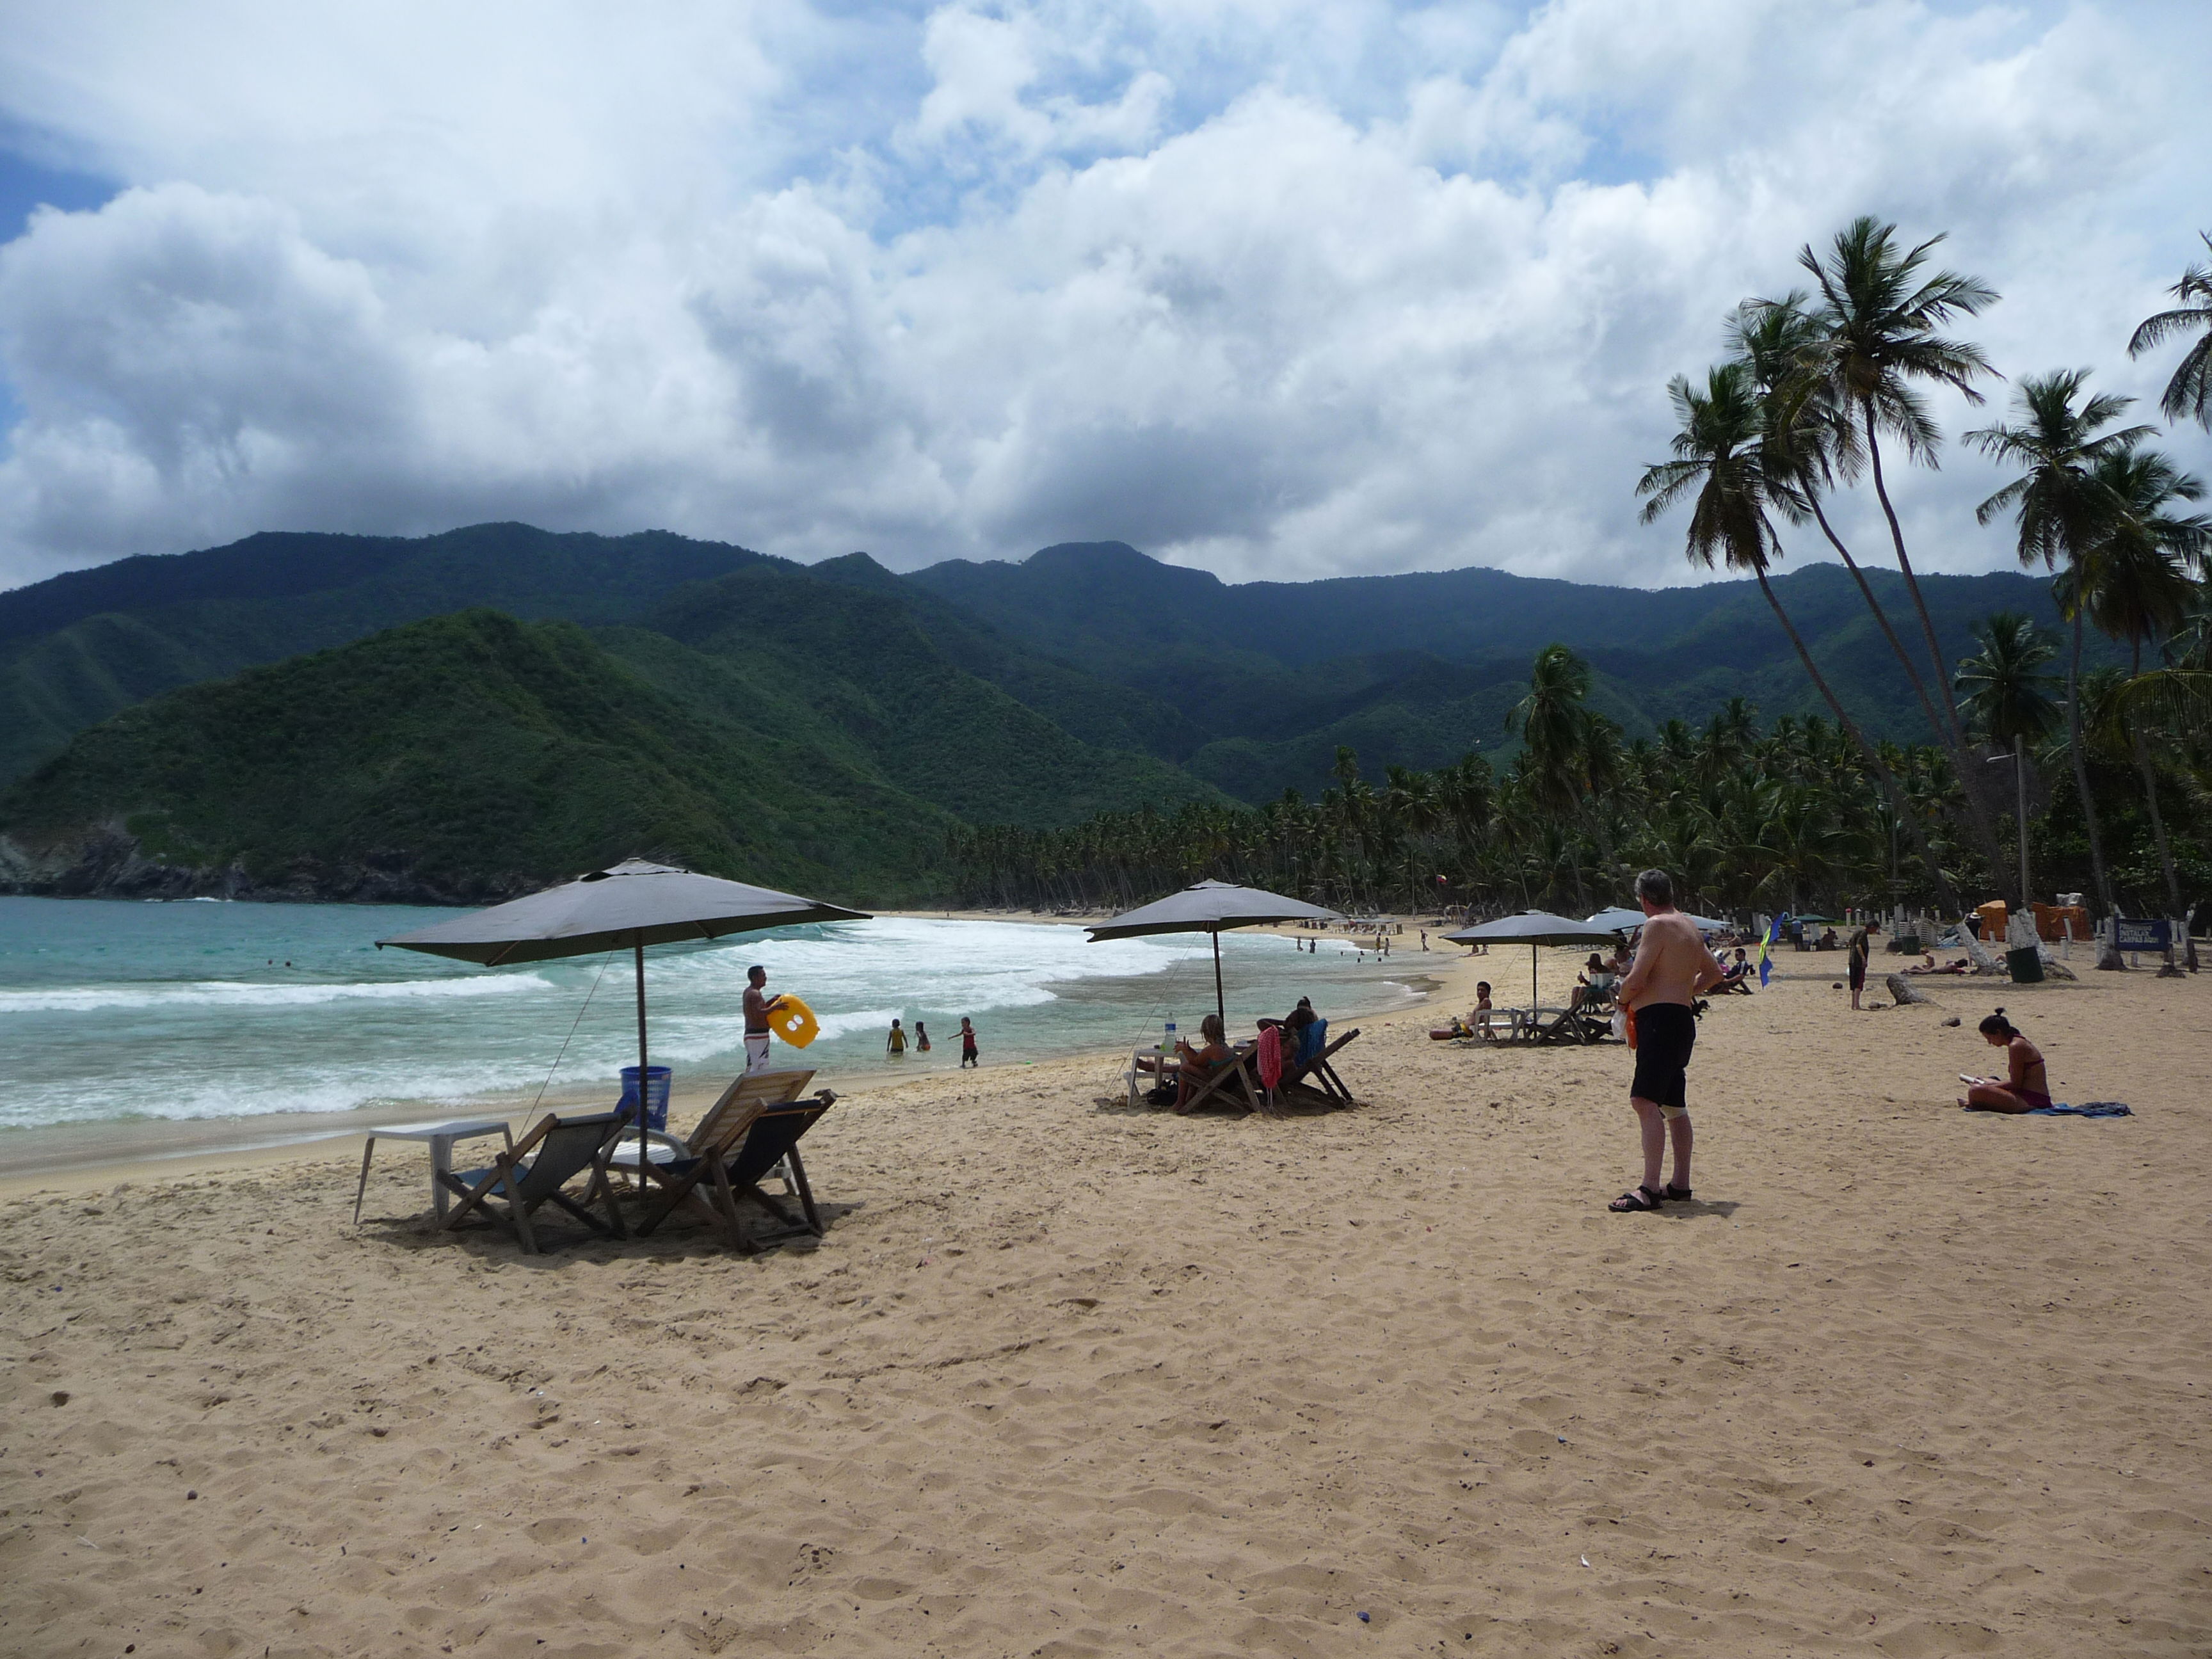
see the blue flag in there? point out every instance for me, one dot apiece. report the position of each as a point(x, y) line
point(1773, 932)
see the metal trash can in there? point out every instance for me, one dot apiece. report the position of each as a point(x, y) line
point(2026, 965)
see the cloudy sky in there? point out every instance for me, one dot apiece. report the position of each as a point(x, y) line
point(1277, 288)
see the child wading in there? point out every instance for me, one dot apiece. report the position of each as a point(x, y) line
point(895, 1044)
point(920, 1038)
point(967, 1042)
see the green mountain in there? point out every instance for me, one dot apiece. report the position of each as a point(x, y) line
point(1418, 669)
point(409, 718)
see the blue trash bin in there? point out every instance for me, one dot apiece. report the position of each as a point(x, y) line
point(656, 1094)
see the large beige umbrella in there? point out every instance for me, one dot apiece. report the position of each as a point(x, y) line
point(1208, 907)
point(1533, 928)
point(635, 903)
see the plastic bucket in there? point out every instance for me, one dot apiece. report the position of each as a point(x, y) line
point(656, 1094)
point(2026, 965)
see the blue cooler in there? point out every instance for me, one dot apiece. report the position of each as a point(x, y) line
point(656, 1094)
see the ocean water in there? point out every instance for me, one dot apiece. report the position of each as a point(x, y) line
point(197, 1010)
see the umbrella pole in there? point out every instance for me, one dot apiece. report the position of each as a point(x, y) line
point(1220, 1003)
point(1534, 1000)
point(639, 946)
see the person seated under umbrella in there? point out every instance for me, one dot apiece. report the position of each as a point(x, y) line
point(1198, 1065)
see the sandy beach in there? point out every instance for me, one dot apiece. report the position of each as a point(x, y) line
point(1065, 1378)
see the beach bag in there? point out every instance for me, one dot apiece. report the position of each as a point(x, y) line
point(1624, 1025)
point(1271, 1056)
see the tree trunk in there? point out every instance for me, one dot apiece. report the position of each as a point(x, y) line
point(2108, 956)
point(1889, 784)
point(1912, 582)
point(1950, 738)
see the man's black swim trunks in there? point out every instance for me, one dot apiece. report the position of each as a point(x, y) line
point(1665, 1032)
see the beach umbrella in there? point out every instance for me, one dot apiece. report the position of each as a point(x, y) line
point(634, 903)
point(1209, 906)
point(1621, 920)
point(1533, 928)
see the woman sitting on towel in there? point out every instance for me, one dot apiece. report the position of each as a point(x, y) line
point(1198, 1065)
point(2026, 1087)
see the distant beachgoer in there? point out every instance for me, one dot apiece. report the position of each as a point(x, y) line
point(1672, 966)
point(967, 1042)
point(1595, 980)
point(758, 1007)
point(1425, 938)
point(1858, 964)
point(2026, 1084)
point(895, 1044)
point(920, 1038)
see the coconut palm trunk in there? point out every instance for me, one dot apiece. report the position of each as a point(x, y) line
point(2108, 956)
point(1890, 786)
point(2149, 775)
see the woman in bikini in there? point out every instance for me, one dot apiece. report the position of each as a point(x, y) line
point(2026, 1087)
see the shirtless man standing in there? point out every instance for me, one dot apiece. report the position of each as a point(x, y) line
point(758, 1007)
point(1672, 966)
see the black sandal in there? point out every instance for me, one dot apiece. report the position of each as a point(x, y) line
point(1677, 1195)
point(1637, 1200)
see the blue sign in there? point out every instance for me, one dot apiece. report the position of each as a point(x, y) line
point(2137, 935)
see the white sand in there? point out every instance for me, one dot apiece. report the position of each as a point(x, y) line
point(1066, 1380)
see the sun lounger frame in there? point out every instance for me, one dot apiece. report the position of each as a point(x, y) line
point(529, 1183)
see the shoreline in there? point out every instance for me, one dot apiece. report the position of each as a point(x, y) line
point(139, 1150)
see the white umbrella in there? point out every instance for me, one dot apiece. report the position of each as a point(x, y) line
point(1533, 928)
point(1208, 907)
point(635, 903)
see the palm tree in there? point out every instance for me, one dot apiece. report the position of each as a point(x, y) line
point(2135, 588)
point(2188, 394)
point(1809, 436)
point(1720, 454)
point(2002, 691)
point(2064, 512)
point(1879, 327)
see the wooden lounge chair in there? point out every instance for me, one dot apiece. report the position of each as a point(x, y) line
point(732, 1156)
point(747, 1089)
point(533, 1174)
point(1240, 1069)
point(1314, 1077)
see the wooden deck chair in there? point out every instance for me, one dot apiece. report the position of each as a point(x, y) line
point(746, 1145)
point(1316, 1076)
point(747, 1089)
point(532, 1175)
point(1582, 1025)
point(1241, 1069)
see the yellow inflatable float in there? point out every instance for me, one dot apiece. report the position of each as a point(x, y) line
point(794, 1021)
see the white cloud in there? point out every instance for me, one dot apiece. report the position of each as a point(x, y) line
point(1277, 288)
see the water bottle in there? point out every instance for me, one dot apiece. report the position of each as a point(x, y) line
point(1169, 1046)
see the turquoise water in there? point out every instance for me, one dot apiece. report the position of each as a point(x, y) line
point(201, 1010)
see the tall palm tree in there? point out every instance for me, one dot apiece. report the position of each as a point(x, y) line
point(2188, 394)
point(1809, 437)
point(1720, 465)
point(2135, 588)
point(2064, 512)
point(1880, 336)
point(2002, 689)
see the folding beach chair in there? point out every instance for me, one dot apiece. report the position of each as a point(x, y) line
point(1240, 1069)
point(749, 1090)
point(533, 1174)
point(1312, 1072)
point(732, 1158)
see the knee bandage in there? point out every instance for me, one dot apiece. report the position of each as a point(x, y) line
point(1670, 1113)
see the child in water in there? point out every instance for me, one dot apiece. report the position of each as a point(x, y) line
point(895, 1044)
point(920, 1038)
point(967, 1042)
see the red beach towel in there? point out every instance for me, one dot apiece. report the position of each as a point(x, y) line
point(1271, 1056)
